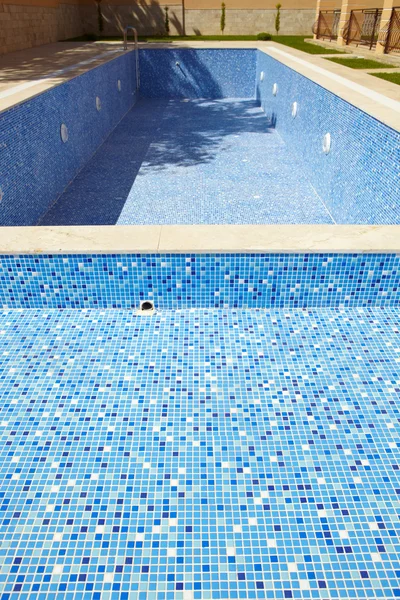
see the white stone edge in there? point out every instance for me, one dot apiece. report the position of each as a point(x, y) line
point(126, 239)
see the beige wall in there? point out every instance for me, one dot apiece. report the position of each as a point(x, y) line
point(27, 24)
point(215, 4)
point(148, 18)
point(249, 22)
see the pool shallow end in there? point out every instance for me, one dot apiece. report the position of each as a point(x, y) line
point(200, 238)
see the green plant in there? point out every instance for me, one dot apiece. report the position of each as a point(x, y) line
point(166, 22)
point(100, 20)
point(393, 77)
point(278, 18)
point(223, 9)
point(361, 63)
point(298, 42)
point(264, 36)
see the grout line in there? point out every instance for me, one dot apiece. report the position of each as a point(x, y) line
point(322, 202)
point(159, 238)
point(308, 181)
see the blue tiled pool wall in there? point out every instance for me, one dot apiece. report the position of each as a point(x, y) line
point(35, 165)
point(201, 73)
point(359, 179)
point(181, 281)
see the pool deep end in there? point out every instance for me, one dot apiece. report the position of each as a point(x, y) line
point(357, 182)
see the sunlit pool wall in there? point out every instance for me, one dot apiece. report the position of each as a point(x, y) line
point(35, 164)
point(359, 179)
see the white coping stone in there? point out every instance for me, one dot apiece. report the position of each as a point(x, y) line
point(200, 238)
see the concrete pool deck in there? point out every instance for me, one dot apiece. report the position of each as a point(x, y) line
point(376, 97)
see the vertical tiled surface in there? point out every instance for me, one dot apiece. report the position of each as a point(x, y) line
point(199, 455)
point(188, 73)
point(35, 165)
point(175, 281)
point(359, 179)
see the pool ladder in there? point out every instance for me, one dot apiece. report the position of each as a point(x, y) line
point(135, 35)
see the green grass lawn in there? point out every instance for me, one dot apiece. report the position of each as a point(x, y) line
point(300, 43)
point(361, 63)
point(393, 77)
point(293, 41)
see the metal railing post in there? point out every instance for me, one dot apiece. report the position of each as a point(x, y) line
point(349, 28)
point(318, 24)
point(389, 33)
point(374, 28)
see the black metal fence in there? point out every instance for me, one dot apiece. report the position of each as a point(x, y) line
point(327, 25)
point(389, 36)
point(362, 29)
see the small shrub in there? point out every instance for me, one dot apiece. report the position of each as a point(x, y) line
point(264, 36)
point(278, 18)
point(166, 22)
point(223, 10)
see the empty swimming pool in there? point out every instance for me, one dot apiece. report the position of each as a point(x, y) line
point(211, 137)
point(191, 162)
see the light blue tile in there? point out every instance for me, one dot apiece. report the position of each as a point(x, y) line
point(206, 162)
point(199, 454)
point(359, 178)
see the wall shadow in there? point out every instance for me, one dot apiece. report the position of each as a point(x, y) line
point(147, 17)
point(197, 73)
point(194, 132)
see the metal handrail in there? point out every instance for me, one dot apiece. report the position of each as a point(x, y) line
point(135, 35)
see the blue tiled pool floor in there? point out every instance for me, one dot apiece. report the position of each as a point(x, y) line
point(200, 454)
point(191, 162)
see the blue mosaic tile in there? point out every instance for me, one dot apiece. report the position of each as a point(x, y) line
point(199, 455)
point(35, 165)
point(199, 73)
point(192, 162)
point(359, 178)
point(200, 280)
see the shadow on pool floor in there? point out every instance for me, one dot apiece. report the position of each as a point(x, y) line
point(190, 162)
